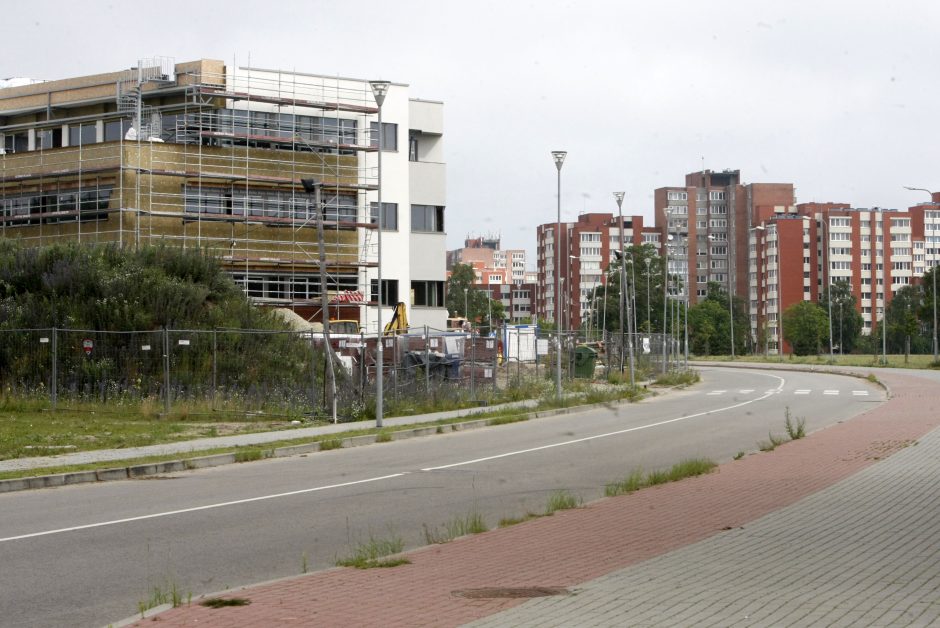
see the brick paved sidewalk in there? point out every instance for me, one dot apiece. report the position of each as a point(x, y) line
point(574, 547)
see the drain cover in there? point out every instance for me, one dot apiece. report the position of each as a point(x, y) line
point(507, 592)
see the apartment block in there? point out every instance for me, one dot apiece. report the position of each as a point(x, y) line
point(705, 224)
point(209, 155)
point(797, 257)
point(587, 248)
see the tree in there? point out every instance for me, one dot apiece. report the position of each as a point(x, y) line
point(902, 323)
point(926, 311)
point(709, 332)
point(644, 267)
point(846, 320)
point(465, 299)
point(805, 327)
point(459, 290)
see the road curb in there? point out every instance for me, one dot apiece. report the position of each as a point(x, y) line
point(143, 470)
point(801, 368)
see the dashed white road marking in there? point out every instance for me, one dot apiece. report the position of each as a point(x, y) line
point(860, 393)
point(830, 392)
point(169, 513)
point(745, 391)
point(717, 392)
point(616, 433)
point(802, 391)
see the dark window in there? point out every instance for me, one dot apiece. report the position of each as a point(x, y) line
point(340, 207)
point(114, 130)
point(16, 142)
point(389, 135)
point(389, 291)
point(297, 287)
point(389, 215)
point(80, 135)
point(412, 146)
point(48, 138)
point(427, 218)
point(427, 293)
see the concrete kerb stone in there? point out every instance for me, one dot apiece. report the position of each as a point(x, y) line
point(203, 462)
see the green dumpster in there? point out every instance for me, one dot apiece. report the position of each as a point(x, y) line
point(584, 360)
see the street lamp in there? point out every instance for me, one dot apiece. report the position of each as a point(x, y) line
point(649, 321)
point(618, 196)
point(559, 157)
point(379, 91)
point(933, 273)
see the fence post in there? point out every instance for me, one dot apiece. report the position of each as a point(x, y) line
point(473, 363)
point(495, 365)
point(313, 375)
point(427, 361)
point(362, 364)
point(395, 364)
point(55, 373)
point(215, 348)
point(518, 353)
point(166, 371)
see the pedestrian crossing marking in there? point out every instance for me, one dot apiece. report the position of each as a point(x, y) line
point(802, 391)
point(830, 392)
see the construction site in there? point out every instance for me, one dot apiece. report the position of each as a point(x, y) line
point(202, 155)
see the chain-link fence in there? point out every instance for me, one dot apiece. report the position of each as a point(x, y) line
point(287, 372)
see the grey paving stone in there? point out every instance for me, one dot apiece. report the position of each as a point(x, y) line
point(862, 552)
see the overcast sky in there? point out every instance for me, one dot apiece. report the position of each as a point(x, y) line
point(838, 97)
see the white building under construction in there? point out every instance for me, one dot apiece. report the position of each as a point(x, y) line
point(201, 154)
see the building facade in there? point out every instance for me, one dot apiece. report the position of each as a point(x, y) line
point(705, 225)
point(202, 154)
point(587, 249)
point(799, 256)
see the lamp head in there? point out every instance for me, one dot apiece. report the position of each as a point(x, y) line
point(559, 157)
point(379, 90)
point(310, 185)
point(618, 196)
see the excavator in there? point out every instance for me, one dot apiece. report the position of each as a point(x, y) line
point(399, 322)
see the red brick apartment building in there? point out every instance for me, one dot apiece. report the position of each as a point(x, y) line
point(587, 248)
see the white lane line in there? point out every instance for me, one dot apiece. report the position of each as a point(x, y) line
point(830, 392)
point(860, 393)
point(608, 434)
point(169, 513)
point(802, 391)
point(745, 391)
point(717, 392)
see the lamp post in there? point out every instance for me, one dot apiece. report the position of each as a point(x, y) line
point(649, 320)
point(559, 157)
point(665, 296)
point(618, 196)
point(933, 274)
point(828, 278)
point(379, 91)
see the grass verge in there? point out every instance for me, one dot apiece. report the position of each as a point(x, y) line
point(636, 479)
point(375, 553)
point(678, 378)
point(471, 523)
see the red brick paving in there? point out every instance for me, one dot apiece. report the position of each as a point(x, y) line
point(575, 546)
